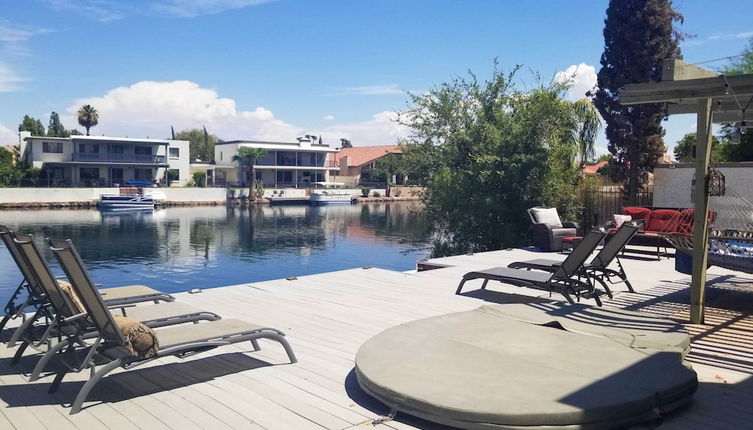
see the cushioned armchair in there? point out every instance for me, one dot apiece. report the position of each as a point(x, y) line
point(549, 230)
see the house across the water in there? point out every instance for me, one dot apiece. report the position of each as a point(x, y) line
point(101, 161)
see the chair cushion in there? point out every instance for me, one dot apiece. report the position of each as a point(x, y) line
point(664, 220)
point(637, 213)
point(548, 216)
point(620, 219)
point(560, 232)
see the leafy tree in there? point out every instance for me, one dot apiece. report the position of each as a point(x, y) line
point(494, 151)
point(247, 157)
point(32, 125)
point(605, 157)
point(88, 117)
point(6, 157)
point(743, 150)
point(345, 143)
point(55, 127)
point(685, 149)
point(589, 125)
point(75, 132)
point(200, 143)
point(386, 168)
point(638, 35)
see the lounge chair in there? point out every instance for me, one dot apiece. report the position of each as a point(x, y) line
point(598, 269)
point(563, 280)
point(36, 295)
point(60, 315)
point(109, 348)
point(549, 230)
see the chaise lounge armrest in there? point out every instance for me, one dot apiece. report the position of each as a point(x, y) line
point(570, 224)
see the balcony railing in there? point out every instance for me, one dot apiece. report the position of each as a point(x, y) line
point(298, 163)
point(121, 158)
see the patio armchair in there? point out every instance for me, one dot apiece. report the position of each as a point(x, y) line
point(549, 230)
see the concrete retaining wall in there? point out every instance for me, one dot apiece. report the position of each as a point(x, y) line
point(183, 195)
point(673, 183)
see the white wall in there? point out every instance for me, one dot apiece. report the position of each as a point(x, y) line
point(182, 162)
point(67, 195)
point(672, 183)
point(194, 194)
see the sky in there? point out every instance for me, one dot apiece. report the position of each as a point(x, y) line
point(278, 69)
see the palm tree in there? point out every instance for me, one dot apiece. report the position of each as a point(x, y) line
point(248, 157)
point(88, 117)
point(589, 124)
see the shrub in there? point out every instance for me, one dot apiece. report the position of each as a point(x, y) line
point(200, 179)
point(376, 194)
point(365, 191)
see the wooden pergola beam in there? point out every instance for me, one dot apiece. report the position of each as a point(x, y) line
point(672, 91)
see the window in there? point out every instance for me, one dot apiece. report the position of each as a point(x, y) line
point(220, 155)
point(174, 152)
point(116, 149)
point(89, 173)
point(143, 175)
point(142, 150)
point(284, 176)
point(286, 158)
point(52, 147)
point(88, 148)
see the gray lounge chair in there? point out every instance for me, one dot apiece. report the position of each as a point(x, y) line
point(598, 269)
point(549, 230)
point(16, 307)
point(565, 280)
point(109, 349)
point(58, 316)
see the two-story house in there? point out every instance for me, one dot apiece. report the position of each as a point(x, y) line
point(284, 164)
point(99, 161)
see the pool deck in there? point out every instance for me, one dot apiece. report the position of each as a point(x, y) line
point(328, 316)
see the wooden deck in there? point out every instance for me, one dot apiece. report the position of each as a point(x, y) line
point(328, 316)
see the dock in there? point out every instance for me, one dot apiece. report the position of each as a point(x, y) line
point(328, 316)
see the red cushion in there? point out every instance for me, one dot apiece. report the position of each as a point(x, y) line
point(685, 221)
point(638, 213)
point(663, 220)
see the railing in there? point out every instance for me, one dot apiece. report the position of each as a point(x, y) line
point(127, 158)
point(298, 163)
point(600, 206)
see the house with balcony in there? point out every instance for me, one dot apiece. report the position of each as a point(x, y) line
point(356, 163)
point(100, 161)
point(284, 165)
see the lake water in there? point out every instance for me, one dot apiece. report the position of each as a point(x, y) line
point(178, 249)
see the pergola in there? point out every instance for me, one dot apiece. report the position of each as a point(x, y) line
point(715, 98)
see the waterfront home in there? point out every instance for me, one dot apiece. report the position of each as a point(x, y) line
point(100, 161)
point(284, 164)
point(355, 164)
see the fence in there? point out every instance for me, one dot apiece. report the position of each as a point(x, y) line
point(600, 206)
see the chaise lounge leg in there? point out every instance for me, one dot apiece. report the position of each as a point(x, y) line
point(20, 331)
point(605, 286)
point(255, 344)
point(58, 379)
point(282, 341)
point(460, 287)
point(483, 286)
point(95, 378)
point(5, 320)
point(49, 355)
point(20, 352)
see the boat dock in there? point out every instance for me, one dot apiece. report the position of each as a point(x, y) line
point(328, 316)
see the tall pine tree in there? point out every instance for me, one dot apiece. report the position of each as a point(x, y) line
point(638, 35)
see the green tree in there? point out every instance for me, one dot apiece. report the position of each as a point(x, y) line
point(247, 158)
point(638, 35)
point(494, 152)
point(345, 143)
point(55, 127)
point(589, 125)
point(200, 179)
point(200, 143)
point(88, 117)
point(388, 167)
point(741, 64)
point(685, 149)
point(743, 149)
point(32, 125)
point(75, 132)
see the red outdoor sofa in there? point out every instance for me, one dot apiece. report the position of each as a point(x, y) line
point(656, 221)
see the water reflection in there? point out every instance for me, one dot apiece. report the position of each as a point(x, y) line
point(177, 249)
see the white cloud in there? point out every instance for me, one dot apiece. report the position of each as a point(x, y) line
point(581, 78)
point(10, 80)
point(7, 136)
point(368, 90)
point(328, 117)
point(193, 8)
point(99, 10)
point(745, 35)
point(149, 108)
point(381, 129)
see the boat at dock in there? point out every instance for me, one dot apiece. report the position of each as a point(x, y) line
point(112, 202)
point(329, 193)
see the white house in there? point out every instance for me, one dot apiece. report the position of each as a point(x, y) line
point(86, 161)
point(285, 164)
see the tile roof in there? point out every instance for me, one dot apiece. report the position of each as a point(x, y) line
point(594, 168)
point(358, 156)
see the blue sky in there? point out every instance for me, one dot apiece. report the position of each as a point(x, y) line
point(278, 69)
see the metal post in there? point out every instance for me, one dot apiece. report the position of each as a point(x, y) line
point(700, 219)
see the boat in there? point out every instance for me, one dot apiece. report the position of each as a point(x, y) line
point(330, 193)
point(114, 202)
